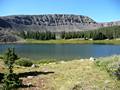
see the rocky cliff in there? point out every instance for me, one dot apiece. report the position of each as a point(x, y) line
point(53, 23)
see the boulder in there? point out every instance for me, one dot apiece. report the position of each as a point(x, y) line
point(29, 77)
point(33, 66)
point(92, 59)
point(29, 84)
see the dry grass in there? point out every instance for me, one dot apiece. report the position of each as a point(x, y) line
point(71, 75)
point(2, 66)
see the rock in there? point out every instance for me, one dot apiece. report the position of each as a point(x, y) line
point(50, 63)
point(29, 77)
point(29, 84)
point(46, 20)
point(7, 38)
point(50, 22)
point(92, 59)
point(45, 64)
point(45, 70)
point(81, 59)
point(91, 39)
point(4, 24)
point(107, 81)
point(62, 62)
point(33, 66)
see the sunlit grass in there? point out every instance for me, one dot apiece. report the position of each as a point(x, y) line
point(72, 75)
point(73, 41)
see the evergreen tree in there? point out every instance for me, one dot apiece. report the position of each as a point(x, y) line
point(11, 80)
point(99, 36)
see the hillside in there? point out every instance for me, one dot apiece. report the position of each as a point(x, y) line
point(51, 22)
point(54, 23)
point(80, 74)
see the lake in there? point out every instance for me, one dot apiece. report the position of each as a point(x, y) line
point(62, 51)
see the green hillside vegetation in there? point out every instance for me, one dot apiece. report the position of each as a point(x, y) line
point(112, 32)
point(37, 35)
point(72, 41)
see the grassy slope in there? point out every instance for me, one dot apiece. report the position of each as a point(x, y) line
point(84, 75)
point(75, 41)
point(72, 75)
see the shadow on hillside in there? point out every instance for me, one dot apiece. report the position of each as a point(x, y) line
point(33, 73)
point(26, 74)
point(26, 86)
point(1, 76)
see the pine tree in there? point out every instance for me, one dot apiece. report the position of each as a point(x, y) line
point(11, 80)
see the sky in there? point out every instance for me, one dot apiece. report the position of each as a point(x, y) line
point(99, 10)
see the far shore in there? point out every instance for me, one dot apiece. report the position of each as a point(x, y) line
point(65, 41)
point(71, 41)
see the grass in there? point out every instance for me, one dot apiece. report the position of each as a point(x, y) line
point(72, 75)
point(72, 41)
point(110, 64)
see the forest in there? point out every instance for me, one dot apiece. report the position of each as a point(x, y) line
point(112, 32)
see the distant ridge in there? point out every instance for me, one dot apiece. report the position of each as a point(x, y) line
point(50, 22)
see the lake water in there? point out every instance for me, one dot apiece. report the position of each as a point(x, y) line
point(62, 51)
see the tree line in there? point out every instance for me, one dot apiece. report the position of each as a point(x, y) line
point(37, 35)
point(112, 32)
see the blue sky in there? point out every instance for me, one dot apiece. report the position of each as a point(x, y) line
point(99, 10)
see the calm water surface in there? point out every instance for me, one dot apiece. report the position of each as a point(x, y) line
point(62, 51)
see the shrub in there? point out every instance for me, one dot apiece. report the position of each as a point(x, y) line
point(46, 61)
point(117, 73)
point(11, 80)
point(1, 57)
point(77, 87)
point(99, 36)
point(110, 64)
point(24, 62)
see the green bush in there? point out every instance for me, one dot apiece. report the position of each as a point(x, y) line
point(46, 61)
point(77, 87)
point(11, 81)
point(110, 64)
point(99, 36)
point(1, 56)
point(24, 62)
point(117, 73)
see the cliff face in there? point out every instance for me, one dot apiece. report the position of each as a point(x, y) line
point(53, 23)
point(48, 20)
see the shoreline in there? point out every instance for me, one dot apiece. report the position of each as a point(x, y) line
point(68, 41)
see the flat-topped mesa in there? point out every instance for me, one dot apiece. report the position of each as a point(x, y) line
point(51, 22)
point(48, 20)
